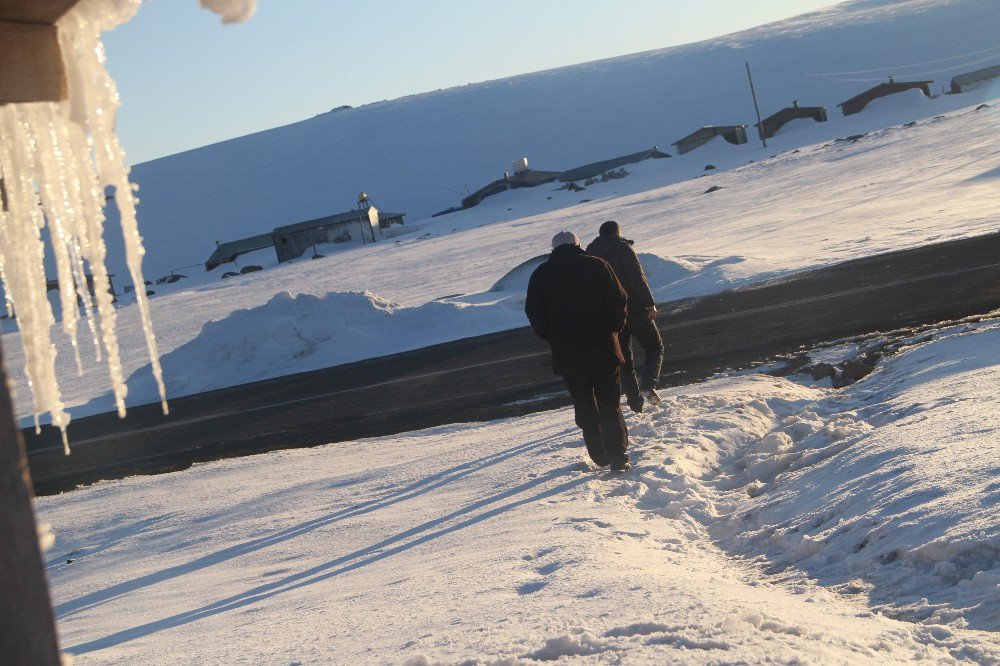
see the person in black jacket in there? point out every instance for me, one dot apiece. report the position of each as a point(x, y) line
point(618, 252)
point(576, 303)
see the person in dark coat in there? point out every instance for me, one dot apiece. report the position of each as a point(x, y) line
point(618, 252)
point(576, 303)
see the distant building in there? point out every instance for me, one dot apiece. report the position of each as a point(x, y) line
point(770, 125)
point(53, 285)
point(859, 102)
point(734, 134)
point(523, 177)
point(965, 82)
point(228, 252)
point(597, 168)
point(291, 241)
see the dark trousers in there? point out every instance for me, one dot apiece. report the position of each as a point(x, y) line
point(596, 396)
point(645, 331)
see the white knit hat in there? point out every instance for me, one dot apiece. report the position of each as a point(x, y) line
point(564, 238)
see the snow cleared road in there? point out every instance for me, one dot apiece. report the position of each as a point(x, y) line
point(504, 374)
point(765, 520)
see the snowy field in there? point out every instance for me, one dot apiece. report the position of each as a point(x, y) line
point(766, 520)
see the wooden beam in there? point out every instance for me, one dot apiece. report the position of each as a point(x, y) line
point(34, 11)
point(31, 70)
point(27, 628)
point(31, 66)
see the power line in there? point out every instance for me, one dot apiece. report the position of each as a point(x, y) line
point(916, 64)
point(828, 77)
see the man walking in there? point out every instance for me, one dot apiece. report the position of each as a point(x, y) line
point(618, 252)
point(576, 303)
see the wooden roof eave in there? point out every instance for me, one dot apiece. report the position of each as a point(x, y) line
point(31, 66)
point(35, 11)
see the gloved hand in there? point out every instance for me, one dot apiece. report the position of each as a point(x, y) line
point(651, 312)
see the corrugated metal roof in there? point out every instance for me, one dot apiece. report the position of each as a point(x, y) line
point(709, 131)
point(225, 251)
point(978, 75)
point(597, 168)
point(889, 88)
point(792, 113)
point(339, 218)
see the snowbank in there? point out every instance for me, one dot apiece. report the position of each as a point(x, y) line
point(291, 334)
point(885, 489)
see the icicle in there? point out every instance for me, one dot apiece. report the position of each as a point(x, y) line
point(94, 104)
point(56, 159)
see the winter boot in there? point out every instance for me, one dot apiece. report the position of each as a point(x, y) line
point(649, 394)
point(621, 465)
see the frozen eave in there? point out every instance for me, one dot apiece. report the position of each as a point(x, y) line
point(31, 68)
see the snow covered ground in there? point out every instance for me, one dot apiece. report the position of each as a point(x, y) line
point(766, 520)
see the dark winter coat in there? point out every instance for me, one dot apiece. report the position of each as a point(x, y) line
point(619, 253)
point(577, 304)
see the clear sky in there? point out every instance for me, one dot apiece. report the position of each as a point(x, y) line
point(187, 81)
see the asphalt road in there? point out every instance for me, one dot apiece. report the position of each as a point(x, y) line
point(508, 373)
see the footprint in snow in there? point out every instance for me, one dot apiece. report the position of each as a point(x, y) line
point(547, 569)
point(531, 587)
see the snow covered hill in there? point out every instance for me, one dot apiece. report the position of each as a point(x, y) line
point(422, 153)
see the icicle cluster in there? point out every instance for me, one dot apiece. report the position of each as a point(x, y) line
point(56, 159)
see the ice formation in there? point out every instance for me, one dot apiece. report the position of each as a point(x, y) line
point(57, 159)
point(231, 11)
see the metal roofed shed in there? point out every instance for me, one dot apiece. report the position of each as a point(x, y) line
point(523, 177)
point(227, 252)
point(597, 168)
point(291, 241)
point(734, 134)
point(770, 125)
point(860, 101)
point(31, 66)
point(970, 80)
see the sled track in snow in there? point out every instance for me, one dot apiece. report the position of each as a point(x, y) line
point(507, 374)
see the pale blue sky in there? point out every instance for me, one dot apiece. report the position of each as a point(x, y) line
point(186, 80)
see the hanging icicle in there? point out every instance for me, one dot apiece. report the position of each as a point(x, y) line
point(56, 159)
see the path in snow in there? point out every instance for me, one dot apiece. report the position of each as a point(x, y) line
point(495, 541)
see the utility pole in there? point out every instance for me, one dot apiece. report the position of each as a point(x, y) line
point(760, 125)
